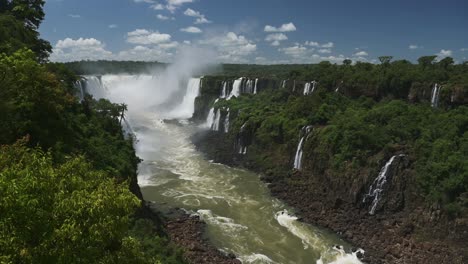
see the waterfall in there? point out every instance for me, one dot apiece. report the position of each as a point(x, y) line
point(283, 85)
point(294, 86)
point(306, 88)
point(249, 87)
point(435, 95)
point(236, 88)
point(242, 147)
point(216, 120)
point(298, 158)
point(187, 107)
point(255, 89)
point(376, 189)
point(309, 87)
point(95, 87)
point(226, 121)
point(79, 86)
point(224, 90)
point(210, 120)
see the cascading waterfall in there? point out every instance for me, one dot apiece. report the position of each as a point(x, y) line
point(255, 89)
point(187, 108)
point(217, 120)
point(298, 158)
point(240, 143)
point(236, 88)
point(283, 85)
point(224, 90)
point(226, 121)
point(376, 189)
point(211, 116)
point(309, 87)
point(249, 87)
point(95, 87)
point(435, 95)
point(80, 90)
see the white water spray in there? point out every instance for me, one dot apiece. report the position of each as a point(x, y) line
point(226, 121)
point(255, 89)
point(435, 95)
point(376, 189)
point(236, 88)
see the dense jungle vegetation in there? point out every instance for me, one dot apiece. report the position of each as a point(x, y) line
point(370, 114)
point(65, 166)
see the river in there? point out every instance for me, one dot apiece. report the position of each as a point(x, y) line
point(241, 215)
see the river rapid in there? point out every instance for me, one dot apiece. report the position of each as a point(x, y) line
point(241, 215)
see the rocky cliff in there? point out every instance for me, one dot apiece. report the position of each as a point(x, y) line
point(384, 213)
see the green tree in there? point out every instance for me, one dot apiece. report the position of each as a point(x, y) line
point(426, 61)
point(61, 214)
point(385, 59)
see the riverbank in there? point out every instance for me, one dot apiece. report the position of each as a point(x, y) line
point(413, 234)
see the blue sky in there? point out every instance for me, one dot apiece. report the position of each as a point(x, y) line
point(257, 31)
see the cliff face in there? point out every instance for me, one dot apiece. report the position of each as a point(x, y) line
point(378, 207)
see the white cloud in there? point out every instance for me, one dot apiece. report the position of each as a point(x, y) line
point(289, 27)
point(231, 47)
point(193, 30)
point(74, 16)
point(201, 19)
point(162, 17)
point(80, 49)
point(142, 53)
point(464, 49)
point(146, 37)
point(172, 5)
point(295, 51)
point(276, 38)
point(113, 26)
point(361, 54)
point(413, 47)
point(323, 51)
point(187, 42)
point(443, 54)
point(328, 45)
point(312, 44)
point(157, 7)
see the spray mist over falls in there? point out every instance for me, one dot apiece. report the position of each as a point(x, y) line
point(168, 93)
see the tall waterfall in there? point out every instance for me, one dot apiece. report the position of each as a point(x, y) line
point(240, 142)
point(211, 116)
point(226, 121)
point(298, 158)
point(217, 120)
point(255, 88)
point(224, 90)
point(377, 186)
point(283, 84)
point(187, 108)
point(249, 86)
point(236, 88)
point(435, 95)
point(81, 91)
point(309, 87)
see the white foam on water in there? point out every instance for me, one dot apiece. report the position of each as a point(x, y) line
point(227, 224)
point(339, 256)
point(256, 258)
